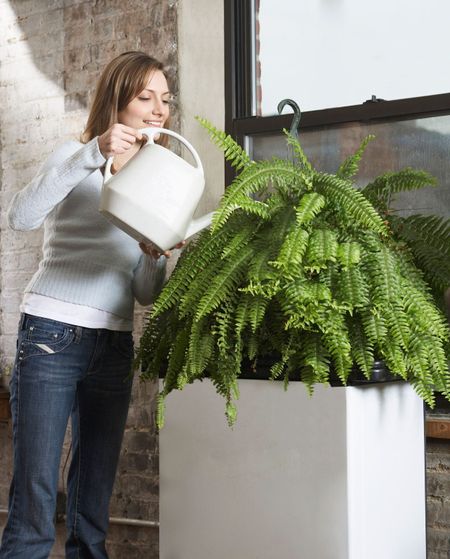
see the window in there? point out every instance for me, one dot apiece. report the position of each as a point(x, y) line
point(412, 128)
point(244, 76)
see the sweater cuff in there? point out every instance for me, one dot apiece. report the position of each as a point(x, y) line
point(149, 278)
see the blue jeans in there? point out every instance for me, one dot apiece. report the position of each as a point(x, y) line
point(60, 371)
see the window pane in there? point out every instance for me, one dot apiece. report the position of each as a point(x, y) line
point(422, 144)
point(332, 53)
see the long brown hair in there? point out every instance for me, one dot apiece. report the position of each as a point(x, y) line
point(121, 81)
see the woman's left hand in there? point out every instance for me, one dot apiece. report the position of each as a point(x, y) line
point(153, 251)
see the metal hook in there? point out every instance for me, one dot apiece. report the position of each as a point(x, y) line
point(297, 115)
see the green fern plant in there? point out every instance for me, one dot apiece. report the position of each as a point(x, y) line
point(304, 267)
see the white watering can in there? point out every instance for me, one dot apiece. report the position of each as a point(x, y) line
point(154, 195)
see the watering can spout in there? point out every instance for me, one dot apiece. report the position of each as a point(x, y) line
point(197, 225)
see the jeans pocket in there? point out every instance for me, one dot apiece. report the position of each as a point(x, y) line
point(123, 344)
point(42, 336)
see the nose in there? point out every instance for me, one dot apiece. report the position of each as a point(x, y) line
point(158, 107)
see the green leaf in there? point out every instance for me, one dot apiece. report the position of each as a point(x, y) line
point(350, 166)
point(224, 283)
point(322, 248)
point(381, 190)
point(362, 349)
point(233, 152)
point(256, 178)
point(357, 207)
point(309, 207)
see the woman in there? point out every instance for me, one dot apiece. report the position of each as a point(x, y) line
point(75, 344)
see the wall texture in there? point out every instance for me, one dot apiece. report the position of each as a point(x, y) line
point(438, 499)
point(51, 53)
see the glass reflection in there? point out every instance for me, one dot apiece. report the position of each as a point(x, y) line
point(421, 143)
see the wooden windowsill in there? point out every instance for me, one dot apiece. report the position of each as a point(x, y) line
point(437, 427)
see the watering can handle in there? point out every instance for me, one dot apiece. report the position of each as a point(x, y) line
point(150, 133)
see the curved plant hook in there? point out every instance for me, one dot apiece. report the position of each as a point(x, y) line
point(297, 114)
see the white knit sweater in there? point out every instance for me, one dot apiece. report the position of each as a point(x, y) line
point(86, 260)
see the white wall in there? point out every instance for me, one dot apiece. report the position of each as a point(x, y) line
point(201, 79)
point(329, 53)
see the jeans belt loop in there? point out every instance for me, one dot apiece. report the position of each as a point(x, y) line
point(23, 318)
point(78, 334)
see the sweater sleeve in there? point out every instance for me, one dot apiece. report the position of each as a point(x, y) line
point(64, 169)
point(148, 279)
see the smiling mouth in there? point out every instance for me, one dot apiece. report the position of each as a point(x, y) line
point(153, 124)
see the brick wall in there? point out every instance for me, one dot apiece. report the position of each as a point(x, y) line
point(438, 499)
point(52, 52)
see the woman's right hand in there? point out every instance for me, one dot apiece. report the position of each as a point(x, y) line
point(117, 140)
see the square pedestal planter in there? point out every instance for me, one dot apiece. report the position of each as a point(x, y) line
point(340, 475)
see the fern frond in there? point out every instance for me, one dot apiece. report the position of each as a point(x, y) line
point(337, 342)
point(322, 248)
point(231, 413)
point(424, 391)
point(375, 327)
point(362, 348)
point(423, 314)
point(225, 382)
point(428, 238)
point(253, 179)
point(432, 230)
point(381, 190)
point(240, 239)
point(315, 361)
point(348, 254)
point(200, 348)
point(154, 346)
point(293, 249)
point(200, 285)
point(394, 357)
point(177, 356)
point(252, 346)
point(436, 269)
point(357, 207)
point(279, 367)
point(350, 288)
point(242, 312)
point(439, 365)
point(309, 207)
point(226, 281)
point(233, 152)
point(293, 142)
point(380, 268)
point(160, 410)
point(197, 256)
point(398, 325)
point(254, 207)
point(259, 268)
point(256, 311)
point(350, 166)
point(223, 322)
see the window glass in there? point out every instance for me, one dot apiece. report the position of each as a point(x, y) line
point(333, 53)
point(422, 144)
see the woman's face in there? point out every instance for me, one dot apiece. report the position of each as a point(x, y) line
point(151, 107)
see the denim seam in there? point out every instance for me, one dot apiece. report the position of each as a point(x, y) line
point(13, 510)
point(77, 499)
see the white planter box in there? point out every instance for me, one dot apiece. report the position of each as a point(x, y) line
point(340, 475)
